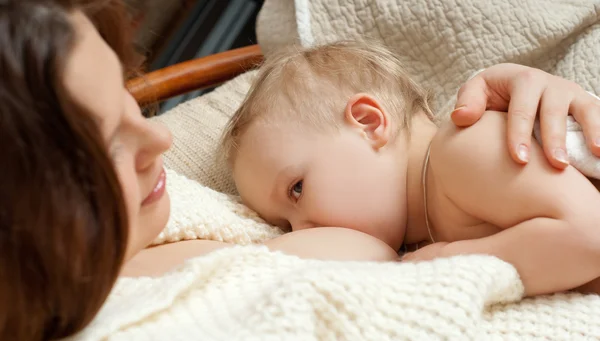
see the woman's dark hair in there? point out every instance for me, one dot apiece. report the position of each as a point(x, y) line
point(63, 221)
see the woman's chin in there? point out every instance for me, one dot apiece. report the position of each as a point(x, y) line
point(160, 216)
point(150, 223)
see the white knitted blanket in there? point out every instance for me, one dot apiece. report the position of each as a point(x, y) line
point(248, 293)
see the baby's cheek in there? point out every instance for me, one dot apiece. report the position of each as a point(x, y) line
point(319, 209)
point(336, 211)
point(344, 199)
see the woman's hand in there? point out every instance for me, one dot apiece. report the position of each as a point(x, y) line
point(522, 91)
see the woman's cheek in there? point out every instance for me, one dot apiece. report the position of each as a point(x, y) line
point(129, 187)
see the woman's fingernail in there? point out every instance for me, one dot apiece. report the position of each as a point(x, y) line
point(523, 153)
point(597, 142)
point(561, 155)
point(459, 108)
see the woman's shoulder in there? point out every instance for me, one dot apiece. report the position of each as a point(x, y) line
point(157, 260)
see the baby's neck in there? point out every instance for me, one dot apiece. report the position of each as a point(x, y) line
point(421, 133)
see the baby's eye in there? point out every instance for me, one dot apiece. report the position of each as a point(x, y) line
point(296, 190)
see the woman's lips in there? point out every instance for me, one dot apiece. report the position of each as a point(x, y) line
point(159, 189)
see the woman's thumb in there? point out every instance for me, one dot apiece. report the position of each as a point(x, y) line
point(470, 103)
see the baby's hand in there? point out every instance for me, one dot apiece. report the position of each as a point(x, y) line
point(429, 252)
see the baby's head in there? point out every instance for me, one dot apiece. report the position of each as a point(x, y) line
point(321, 139)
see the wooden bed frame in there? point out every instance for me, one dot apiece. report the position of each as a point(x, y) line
point(194, 74)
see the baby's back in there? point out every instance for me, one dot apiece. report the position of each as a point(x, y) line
point(480, 154)
point(527, 212)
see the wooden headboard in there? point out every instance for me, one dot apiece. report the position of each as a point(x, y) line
point(194, 74)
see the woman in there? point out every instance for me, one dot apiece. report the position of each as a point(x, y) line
point(83, 186)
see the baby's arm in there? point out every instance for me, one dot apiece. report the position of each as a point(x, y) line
point(549, 217)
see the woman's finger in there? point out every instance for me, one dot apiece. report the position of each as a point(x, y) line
point(525, 94)
point(586, 110)
point(554, 108)
point(470, 103)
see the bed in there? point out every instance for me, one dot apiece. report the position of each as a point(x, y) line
point(249, 293)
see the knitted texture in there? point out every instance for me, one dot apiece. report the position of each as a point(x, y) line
point(249, 293)
point(198, 212)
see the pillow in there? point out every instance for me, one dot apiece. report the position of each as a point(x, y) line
point(198, 212)
point(196, 126)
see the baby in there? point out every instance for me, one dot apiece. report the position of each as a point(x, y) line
point(339, 135)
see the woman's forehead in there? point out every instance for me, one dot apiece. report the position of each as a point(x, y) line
point(93, 74)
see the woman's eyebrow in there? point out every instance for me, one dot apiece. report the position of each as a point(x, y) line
point(114, 132)
point(113, 136)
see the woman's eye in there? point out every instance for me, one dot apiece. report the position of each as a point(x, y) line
point(296, 190)
point(115, 152)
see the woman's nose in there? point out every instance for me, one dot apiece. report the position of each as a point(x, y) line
point(156, 140)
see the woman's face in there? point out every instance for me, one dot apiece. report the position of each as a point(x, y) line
point(93, 78)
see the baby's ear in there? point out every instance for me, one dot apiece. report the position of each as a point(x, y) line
point(364, 113)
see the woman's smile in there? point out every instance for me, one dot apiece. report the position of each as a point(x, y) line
point(159, 189)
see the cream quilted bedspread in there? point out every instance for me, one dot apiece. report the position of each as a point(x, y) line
point(248, 293)
point(443, 42)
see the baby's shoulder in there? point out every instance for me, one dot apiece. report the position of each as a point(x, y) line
point(488, 132)
point(480, 145)
point(491, 125)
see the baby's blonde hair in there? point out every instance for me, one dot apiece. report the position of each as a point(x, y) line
point(313, 85)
